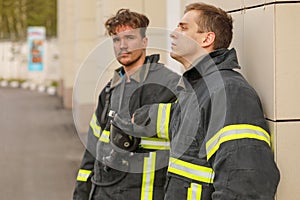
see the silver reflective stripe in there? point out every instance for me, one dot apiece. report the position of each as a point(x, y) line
point(234, 132)
point(194, 192)
point(191, 171)
point(154, 143)
point(148, 177)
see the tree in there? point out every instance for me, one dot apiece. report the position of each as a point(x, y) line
point(17, 15)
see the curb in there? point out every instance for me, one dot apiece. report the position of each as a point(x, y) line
point(51, 90)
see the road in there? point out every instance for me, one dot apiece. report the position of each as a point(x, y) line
point(40, 151)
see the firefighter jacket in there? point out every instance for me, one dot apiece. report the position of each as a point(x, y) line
point(134, 175)
point(220, 141)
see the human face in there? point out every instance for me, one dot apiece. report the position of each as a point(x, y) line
point(129, 46)
point(186, 39)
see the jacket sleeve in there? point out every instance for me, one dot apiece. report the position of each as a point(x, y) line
point(239, 146)
point(149, 121)
point(85, 172)
point(153, 118)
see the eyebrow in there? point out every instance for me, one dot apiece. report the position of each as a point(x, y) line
point(125, 35)
point(182, 24)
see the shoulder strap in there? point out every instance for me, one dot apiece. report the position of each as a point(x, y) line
point(107, 101)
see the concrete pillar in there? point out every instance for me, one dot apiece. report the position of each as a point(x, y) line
point(84, 42)
point(66, 37)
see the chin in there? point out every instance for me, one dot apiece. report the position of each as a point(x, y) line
point(174, 55)
point(124, 61)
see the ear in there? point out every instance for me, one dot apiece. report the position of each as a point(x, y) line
point(208, 40)
point(145, 42)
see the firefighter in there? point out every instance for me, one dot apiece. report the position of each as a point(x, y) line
point(131, 168)
point(220, 143)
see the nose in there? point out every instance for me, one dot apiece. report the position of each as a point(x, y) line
point(174, 34)
point(123, 43)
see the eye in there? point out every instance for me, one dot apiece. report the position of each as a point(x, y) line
point(116, 39)
point(130, 37)
point(182, 27)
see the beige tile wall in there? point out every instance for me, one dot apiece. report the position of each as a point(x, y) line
point(286, 136)
point(287, 59)
point(259, 58)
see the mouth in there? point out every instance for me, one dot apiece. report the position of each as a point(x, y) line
point(173, 46)
point(123, 53)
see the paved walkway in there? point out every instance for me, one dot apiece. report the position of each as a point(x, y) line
point(39, 149)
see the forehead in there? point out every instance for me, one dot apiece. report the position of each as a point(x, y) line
point(125, 29)
point(190, 17)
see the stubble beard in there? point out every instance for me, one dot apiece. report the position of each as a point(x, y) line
point(129, 62)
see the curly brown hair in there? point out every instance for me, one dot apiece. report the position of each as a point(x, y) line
point(125, 17)
point(215, 20)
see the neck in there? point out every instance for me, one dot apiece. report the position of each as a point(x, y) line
point(187, 63)
point(131, 69)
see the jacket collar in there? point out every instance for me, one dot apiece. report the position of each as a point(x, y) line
point(220, 59)
point(139, 75)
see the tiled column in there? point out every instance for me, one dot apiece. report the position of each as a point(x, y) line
point(271, 59)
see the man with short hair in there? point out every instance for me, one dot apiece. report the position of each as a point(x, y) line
point(220, 141)
point(129, 168)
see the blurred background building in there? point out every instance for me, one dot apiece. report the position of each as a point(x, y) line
point(265, 36)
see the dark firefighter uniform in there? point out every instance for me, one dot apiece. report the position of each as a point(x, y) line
point(140, 174)
point(220, 141)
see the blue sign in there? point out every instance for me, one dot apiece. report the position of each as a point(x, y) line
point(36, 38)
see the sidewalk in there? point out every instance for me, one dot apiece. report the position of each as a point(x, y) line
point(40, 151)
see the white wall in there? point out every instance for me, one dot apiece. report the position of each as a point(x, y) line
point(15, 65)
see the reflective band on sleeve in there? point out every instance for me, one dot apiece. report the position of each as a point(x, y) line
point(105, 136)
point(191, 171)
point(163, 118)
point(234, 132)
point(96, 128)
point(155, 143)
point(146, 143)
point(83, 175)
point(148, 177)
point(194, 192)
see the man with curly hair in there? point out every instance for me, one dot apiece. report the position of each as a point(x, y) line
point(130, 168)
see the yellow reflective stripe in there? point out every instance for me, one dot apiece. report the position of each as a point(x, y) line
point(163, 118)
point(190, 170)
point(194, 192)
point(146, 143)
point(234, 132)
point(155, 143)
point(105, 136)
point(83, 175)
point(148, 177)
point(95, 127)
